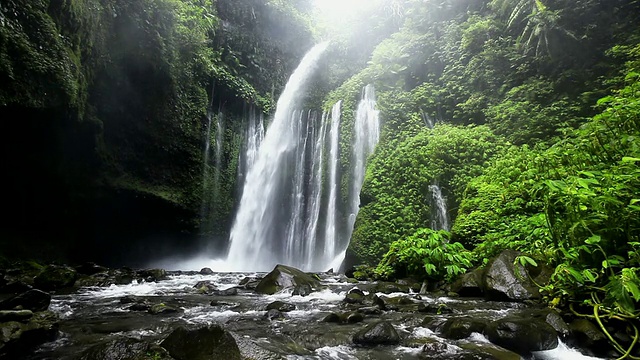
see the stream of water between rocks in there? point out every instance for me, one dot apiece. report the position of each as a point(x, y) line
point(93, 315)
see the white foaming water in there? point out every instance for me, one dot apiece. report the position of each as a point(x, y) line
point(336, 353)
point(256, 236)
point(440, 217)
point(421, 332)
point(366, 136)
point(332, 214)
point(326, 296)
point(562, 352)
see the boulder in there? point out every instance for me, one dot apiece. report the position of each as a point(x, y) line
point(54, 277)
point(15, 315)
point(505, 281)
point(205, 287)
point(206, 271)
point(469, 284)
point(281, 306)
point(125, 349)
point(587, 334)
point(163, 309)
point(226, 292)
point(522, 335)
point(153, 275)
point(462, 327)
point(283, 278)
point(90, 268)
point(551, 317)
point(206, 343)
point(34, 300)
point(380, 333)
point(18, 338)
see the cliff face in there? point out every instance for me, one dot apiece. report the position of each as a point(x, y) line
point(104, 118)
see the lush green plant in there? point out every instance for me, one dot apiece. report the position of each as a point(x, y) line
point(425, 254)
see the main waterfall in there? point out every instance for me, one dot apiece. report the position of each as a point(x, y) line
point(259, 236)
point(293, 209)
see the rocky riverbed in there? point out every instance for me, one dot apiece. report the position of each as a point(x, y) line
point(100, 313)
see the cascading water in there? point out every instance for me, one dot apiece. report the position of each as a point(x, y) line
point(259, 233)
point(219, 140)
point(366, 136)
point(253, 136)
point(315, 198)
point(331, 232)
point(295, 230)
point(440, 218)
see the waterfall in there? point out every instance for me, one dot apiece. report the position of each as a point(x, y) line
point(253, 135)
point(439, 219)
point(366, 136)
point(315, 199)
point(205, 169)
point(259, 236)
point(331, 232)
point(428, 121)
point(295, 230)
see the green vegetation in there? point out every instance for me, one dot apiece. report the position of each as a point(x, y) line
point(535, 147)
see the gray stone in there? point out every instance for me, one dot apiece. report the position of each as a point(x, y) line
point(380, 333)
point(205, 343)
point(283, 278)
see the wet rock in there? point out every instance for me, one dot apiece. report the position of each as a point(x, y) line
point(34, 300)
point(461, 327)
point(469, 284)
point(389, 287)
point(353, 317)
point(489, 351)
point(380, 333)
point(354, 298)
point(379, 302)
point(90, 268)
point(287, 278)
point(54, 277)
point(281, 306)
point(126, 349)
point(122, 276)
point(302, 290)
point(332, 318)
point(140, 306)
point(206, 343)
point(205, 287)
point(274, 314)
point(163, 309)
point(222, 303)
point(437, 309)
point(505, 281)
point(99, 279)
point(370, 310)
point(522, 335)
point(206, 271)
point(226, 292)
point(15, 315)
point(551, 317)
point(129, 299)
point(250, 283)
point(587, 334)
point(18, 338)
point(356, 291)
point(153, 275)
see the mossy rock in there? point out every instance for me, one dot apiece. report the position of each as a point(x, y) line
point(205, 343)
point(283, 278)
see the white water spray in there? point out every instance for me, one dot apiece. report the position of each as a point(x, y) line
point(331, 232)
point(366, 136)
